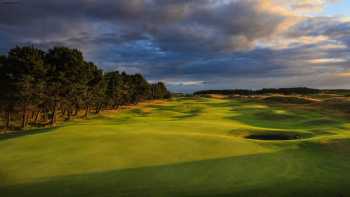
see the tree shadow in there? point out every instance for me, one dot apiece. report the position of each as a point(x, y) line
point(140, 112)
point(321, 174)
point(190, 114)
point(186, 110)
point(164, 107)
point(22, 133)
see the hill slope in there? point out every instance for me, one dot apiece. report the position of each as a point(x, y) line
point(184, 147)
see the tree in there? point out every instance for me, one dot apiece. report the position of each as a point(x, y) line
point(126, 89)
point(98, 88)
point(159, 91)
point(140, 88)
point(3, 59)
point(34, 82)
point(114, 89)
point(26, 71)
point(66, 79)
point(6, 97)
point(94, 87)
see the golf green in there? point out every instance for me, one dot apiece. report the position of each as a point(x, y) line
point(184, 147)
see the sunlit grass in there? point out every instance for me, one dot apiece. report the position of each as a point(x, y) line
point(183, 147)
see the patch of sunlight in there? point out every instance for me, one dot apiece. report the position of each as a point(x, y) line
point(346, 125)
point(280, 112)
point(217, 96)
point(254, 106)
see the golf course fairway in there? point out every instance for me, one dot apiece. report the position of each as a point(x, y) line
point(199, 147)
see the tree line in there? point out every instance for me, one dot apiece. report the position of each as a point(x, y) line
point(38, 86)
point(244, 92)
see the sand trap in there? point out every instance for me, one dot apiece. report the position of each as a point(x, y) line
point(274, 136)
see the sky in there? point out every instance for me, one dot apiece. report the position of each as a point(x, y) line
point(195, 44)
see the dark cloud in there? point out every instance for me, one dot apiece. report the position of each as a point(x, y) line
point(174, 25)
point(190, 44)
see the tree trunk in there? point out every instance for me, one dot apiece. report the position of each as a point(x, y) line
point(76, 111)
point(45, 116)
point(87, 109)
point(24, 117)
point(99, 108)
point(36, 117)
point(69, 113)
point(8, 119)
point(116, 106)
point(53, 117)
point(27, 120)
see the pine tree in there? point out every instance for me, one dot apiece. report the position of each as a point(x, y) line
point(26, 70)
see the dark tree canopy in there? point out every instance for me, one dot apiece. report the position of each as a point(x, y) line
point(37, 86)
point(159, 91)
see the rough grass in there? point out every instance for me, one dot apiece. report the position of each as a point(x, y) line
point(289, 100)
point(184, 147)
point(342, 104)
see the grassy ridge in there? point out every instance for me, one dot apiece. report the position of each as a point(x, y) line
point(185, 147)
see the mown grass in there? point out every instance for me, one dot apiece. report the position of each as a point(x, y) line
point(184, 147)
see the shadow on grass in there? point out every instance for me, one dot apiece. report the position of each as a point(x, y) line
point(294, 119)
point(192, 99)
point(21, 133)
point(190, 114)
point(265, 118)
point(322, 122)
point(117, 120)
point(283, 175)
point(187, 110)
point(271, 116)
point(164, 107)
point(230, 103)
point(140, 112)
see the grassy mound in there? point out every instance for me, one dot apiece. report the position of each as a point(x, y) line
point(321, 122)
point(288, 100)
point(342, 104)
point(272, 116)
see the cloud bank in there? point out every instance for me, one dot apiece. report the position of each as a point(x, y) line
point(193, 44)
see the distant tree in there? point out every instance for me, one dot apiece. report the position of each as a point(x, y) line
point(285, 91)
point(159, 91)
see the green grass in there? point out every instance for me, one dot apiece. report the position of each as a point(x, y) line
point(184, 147)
